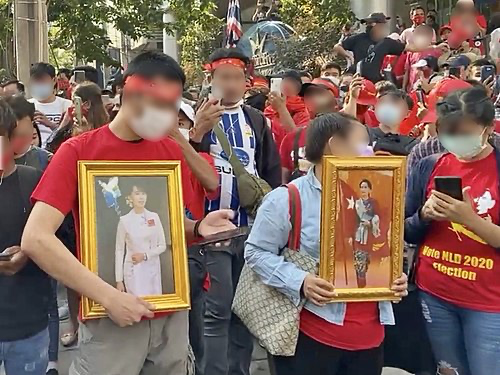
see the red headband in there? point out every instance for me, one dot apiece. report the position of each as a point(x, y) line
point(170, 92)
point(229, 61)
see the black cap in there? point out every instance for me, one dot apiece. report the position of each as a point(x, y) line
point(293, 74)
point(376, 18)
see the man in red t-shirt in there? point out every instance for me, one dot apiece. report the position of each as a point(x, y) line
point(153, 88)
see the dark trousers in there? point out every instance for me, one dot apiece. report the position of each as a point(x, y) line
point(228, 343)
point(312, 357)
point(197, 273)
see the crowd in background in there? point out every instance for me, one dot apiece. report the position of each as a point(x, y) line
point(427, 92)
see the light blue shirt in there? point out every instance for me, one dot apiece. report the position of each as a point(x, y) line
point(269, 236)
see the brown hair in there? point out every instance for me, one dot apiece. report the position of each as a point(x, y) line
point(91, 93)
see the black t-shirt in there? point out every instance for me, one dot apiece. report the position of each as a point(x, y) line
point(395, 144)
point(23, 297)
point(371, 54)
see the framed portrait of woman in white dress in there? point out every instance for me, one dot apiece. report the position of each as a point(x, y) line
point(132, 231)
point(362, 212)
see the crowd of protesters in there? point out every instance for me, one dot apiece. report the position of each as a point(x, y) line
point(428, 93)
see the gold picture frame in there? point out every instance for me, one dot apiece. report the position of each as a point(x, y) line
point(351, 219)
point(99, 228)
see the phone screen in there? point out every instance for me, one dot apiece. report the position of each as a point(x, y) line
point(77, 102)
point(276, 84)
point(79, 76)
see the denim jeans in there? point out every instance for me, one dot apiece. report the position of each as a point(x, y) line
point(464, 341)
point(197, 273)
point(53, 323)
point(26, 357)
point(228, 343)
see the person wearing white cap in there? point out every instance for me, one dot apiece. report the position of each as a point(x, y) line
point(186, 119)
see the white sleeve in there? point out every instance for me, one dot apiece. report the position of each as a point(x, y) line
point(120, 251)
point(161, 244)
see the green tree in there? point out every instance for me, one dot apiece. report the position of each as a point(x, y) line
point(7, 64)
point(318, 24)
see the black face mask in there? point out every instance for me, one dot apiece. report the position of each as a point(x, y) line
point(257, 101)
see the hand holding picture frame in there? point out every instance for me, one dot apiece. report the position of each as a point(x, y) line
point(132, 231)
point(362, 221)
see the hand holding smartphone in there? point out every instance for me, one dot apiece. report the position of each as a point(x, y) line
point(276, 85)
point(224, 236)
point(77, 102)
point(449, 185)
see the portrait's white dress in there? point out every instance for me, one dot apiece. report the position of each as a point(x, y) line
point(140, 233)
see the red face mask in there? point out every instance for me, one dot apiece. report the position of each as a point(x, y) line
point(20, 145)
point(418, 20)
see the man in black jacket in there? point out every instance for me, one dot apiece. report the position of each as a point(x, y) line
point(250, 137)
point(24, 288)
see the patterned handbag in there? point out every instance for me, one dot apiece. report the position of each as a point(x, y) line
point(268, 314)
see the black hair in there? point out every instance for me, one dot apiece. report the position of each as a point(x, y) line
point(469, 104)
point(152, 64)
point(19, 85)
point(117, 82)
point(21, 107)
point(418, 7)
point(484, 62)
point(332, 65)
point(91, 93)
point(365, 181)
point(399, 94)
point(66, 71)
point(38, 133)
point(228, 53)
point(40, 69)
point(7, 119)
point(383, 86)
point(431, 16)
point(322, 129)
point(90, 73)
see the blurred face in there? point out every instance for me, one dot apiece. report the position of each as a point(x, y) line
point(465, 140)
point(22, 136)
point(320, 100)
point(379, 31)
point(355, 144)
point(6, 155)
point(390, 111)
point(149, 116)
point(231, 81)
point(290, 87)
point(422, 37)
point(138, 198)
point(365, 190)
point(42, 87)
point(11, 89)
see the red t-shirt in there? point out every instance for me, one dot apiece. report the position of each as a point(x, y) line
point(454, 263)
point(361, 330)
point(58, 186)
point(287, 151)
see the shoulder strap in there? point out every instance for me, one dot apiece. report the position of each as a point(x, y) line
point(296, 148)
point(238, 168)
point(295, 208)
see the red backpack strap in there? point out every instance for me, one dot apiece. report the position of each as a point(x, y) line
point(295, 208)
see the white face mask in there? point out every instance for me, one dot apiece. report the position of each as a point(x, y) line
point(334, 80)
point(185, 133)
point(42, 91)
point(153, 124)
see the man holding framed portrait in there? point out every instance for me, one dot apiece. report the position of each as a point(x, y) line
point(153, 88)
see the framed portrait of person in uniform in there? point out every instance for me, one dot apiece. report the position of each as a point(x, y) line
point(132, 231)
point(362, 222)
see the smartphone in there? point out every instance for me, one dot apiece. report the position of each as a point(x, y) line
point(224, 236)
point(449, 185)
point(215, 93)
point(420, 96)
point(276, 84)
point(79, 76)
point(487, 72)
point(77, 103)
point(455, 72)
point(358, 67)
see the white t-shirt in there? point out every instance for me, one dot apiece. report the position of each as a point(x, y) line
point(54, 112)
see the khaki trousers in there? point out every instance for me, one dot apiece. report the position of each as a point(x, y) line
point(151, 347)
